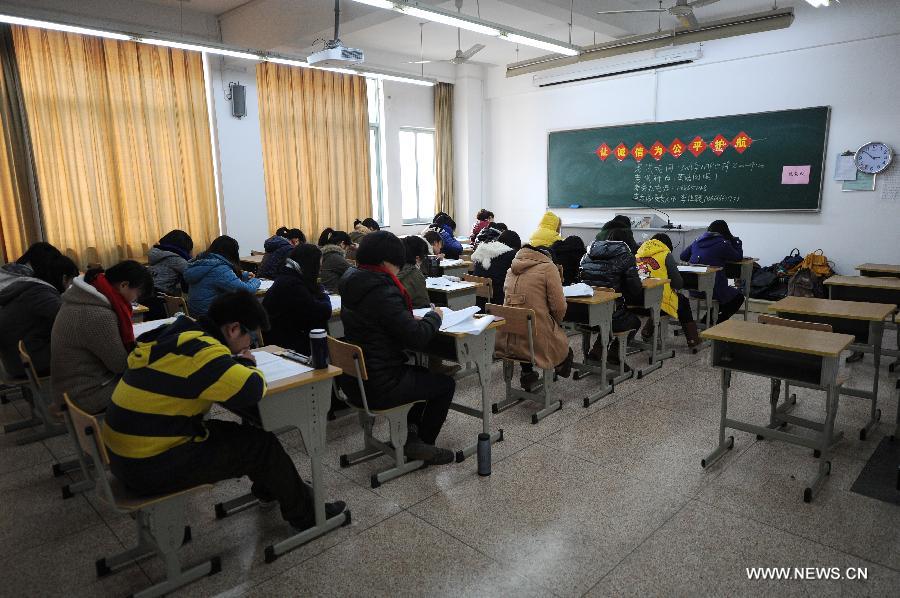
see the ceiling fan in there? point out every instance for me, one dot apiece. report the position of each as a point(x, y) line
point(460, 57)
point(681, 10)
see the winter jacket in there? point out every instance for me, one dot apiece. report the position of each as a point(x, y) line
point(376, 318)
point(277, 250)
point(656, 259)
point(452, 248)
point(87, 354)
point(493, 260)
point(28, 307)
point(414, 281)
point(533, 282)
point(568, 254)
point(547, 232)
point(209, 275)
point(611, 264)
point(629, 235)
point(479, 226)
point(294, 311)
point(167, 268)
point(359, 231)
point(334, 264)
point(712, 249)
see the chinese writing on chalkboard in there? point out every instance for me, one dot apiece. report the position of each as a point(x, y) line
point(687, 183)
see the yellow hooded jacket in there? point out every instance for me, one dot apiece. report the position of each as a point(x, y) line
point(547, 232)
point(651, 256)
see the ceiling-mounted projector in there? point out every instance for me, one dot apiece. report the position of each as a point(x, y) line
point(335, 55)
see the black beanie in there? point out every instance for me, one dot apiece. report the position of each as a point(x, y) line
point(381, 246)
point(511, 239)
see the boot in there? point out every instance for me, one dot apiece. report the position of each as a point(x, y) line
point(565, 368)
point(529, 380)
point(596, 352)
point(647, 331)
point(690, 334)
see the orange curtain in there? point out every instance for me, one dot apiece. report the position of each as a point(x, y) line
point(121, 141)
point(443, 148)
point(314, 127)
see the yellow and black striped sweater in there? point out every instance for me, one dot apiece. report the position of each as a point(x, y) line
point(174, 376)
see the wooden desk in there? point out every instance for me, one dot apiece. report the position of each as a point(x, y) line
point(475, 353)
point(703, 283)
point(138, 313)
point(865, 321)
point(458, 298)
point(300, 402)
point(872, 289)
point(585, 315)
point(807, 357)
point(883, 270)
point(459, 270)
point(742, 270)
point(251, 262)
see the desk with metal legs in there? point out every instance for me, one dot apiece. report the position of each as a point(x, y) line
point(300, 402)
point(884, 289)
point(807, 357)
point(703, 283)
point(585, 315)
point(742, 270)
point(462, 294)
point(475, 353)
point(653, 294)
point(865, 321)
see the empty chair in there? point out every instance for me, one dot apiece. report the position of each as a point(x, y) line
point(174, 305)
point(485, 290)
point(38, 397)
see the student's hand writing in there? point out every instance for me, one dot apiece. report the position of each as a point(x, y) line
point(250, 275)
point(246, 354)
point(439, 312)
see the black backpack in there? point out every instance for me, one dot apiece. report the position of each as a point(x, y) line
point(806, 283)
point(788, 265)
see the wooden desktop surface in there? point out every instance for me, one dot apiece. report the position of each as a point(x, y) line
point(599, 297)
point(869, 282)
point(300, 379)
point(893, 269)
point(812, 342)
point(850, 310)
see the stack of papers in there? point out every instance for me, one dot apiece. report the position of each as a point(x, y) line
point(578, 290)
point(143, 327)
point(265, 284)
point(461, 321)
point(275, 368)
point(451, 263)
point(445, 284)
point(335, 302)
point(692, 268)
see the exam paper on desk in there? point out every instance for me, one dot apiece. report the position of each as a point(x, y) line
point(692, 268)
point(578, 290)
point(143, 327)
point(451, 263)
point(265, 285)
point(275, 368)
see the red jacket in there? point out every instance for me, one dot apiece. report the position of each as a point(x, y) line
point(480, 225)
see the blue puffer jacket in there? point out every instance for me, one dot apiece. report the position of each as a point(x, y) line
point(712, 249)
point(277, 249)
point(209, 275)
point(452, 248)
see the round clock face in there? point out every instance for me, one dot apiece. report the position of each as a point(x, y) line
point(873, 157)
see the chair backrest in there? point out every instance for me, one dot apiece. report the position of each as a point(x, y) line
point(485, 288)
point(27, 364)
point(561, 275)
point(348, 357)
point(174, 305)
point(775, 321)
point(260, 342)
point(87, 430)
point(519, 321)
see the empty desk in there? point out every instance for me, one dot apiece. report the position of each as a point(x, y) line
point(446, 293)
point(873, 289)
point(586, 314)
point(884, 270)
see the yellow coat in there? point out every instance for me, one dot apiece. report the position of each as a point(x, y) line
point(651, 256)
point(547, 232)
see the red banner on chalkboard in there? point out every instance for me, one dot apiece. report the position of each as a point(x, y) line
point(718, 145)
point(621, 151)
point(741, 142)
point(657, 150)
point(697, 146)
point(676, 148)
point(603, 152)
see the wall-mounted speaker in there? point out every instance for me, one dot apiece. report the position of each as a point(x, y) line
point(238, 95)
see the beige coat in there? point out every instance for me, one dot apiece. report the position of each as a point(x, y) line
point(533, 282)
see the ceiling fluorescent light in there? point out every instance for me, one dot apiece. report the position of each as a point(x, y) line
point(540, 44)
point(400, 79)
point(287, 61)
point(445, 19)
point(818, 3)
point(385, 4)
point(200, 48)
point(60, 27)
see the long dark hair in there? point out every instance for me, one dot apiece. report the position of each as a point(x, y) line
point(721, 227)
point(330, 236)
point(136, 275)
point(371, 224)
point(309, 258)
point(40, 256)
point(180, 239)
point(416, 247)
point(442, 218)
point(228, 248)
point(56, 269)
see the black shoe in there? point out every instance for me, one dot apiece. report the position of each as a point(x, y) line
point(430, 454)
point(332, 509)
point(855, 356)
point(565, 368)
point(529, 381)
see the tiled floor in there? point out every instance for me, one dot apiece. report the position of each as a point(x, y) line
point(605, 501)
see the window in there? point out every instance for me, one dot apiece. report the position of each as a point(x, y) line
point(374, 90)
point(417, 175)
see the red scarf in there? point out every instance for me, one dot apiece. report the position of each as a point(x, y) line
point(120, 306)
point(396, 280)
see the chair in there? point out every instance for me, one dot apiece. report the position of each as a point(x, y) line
point(778, 416)
point(18, 387)
point(174, 305)
point(520, 322)
point(160, 518)
point(485, 290)
point(350, 359)
point(40, 404)
point(255, 252)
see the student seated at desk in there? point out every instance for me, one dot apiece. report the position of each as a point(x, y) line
point(410, 275)
point(277, 249)
point(29, 302)
point(167, 261)
point(377, 315)
point(568, 253)
point(547, 232)
point(716, 247)
point(533, 282)
point(494, 259)
point(482, 220)
point(655, 257)
point(296, 303)
point(335, 244)
point(622, 223)
point(93, 334)
point(155, 431)
point(362, 228)
point(611, 264)
point(435, 242)
point(445, 226)
point(486, 235)
point(215, 271)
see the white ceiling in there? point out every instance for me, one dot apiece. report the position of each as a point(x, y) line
point(211, 7)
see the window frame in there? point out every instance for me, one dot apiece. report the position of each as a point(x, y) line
point(419, 219)
point(378, 181)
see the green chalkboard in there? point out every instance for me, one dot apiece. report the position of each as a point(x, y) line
point(742, 163)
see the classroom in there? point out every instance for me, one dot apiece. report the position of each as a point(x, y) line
point(568, 298)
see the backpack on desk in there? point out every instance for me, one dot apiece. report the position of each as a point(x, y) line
point(789, 265)
point(810, 277)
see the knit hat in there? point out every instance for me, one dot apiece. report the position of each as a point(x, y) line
point(511, 239)
point(487, 235)
point(381, 246)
